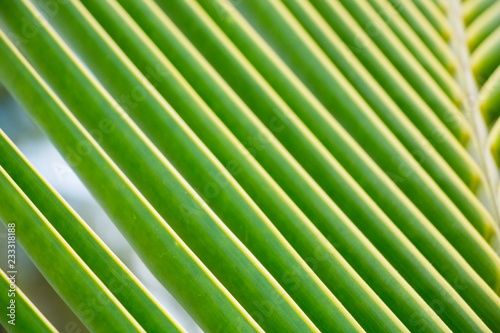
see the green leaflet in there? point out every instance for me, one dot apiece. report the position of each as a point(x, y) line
point(489, 97)
point(28, 318)
point(169, 258)
point(480, 29)
point(494, 141)
point(436, 66)
point(302, 153)
point(351, 152)
point(161, 183)
point(489, 104)
point(395, 68)
point(179, 97)
point(61, 266)
point(441, 95)
point(292, 181)
point(443, 5)
point(190, 157)
point(473, 8)
point(286, 165)
point(264, 199)
point(425, 31)
point(437, 18)
point(107, 267)
point(338, 96)
point(385, 108)
point(482, 18)
point(485, 59)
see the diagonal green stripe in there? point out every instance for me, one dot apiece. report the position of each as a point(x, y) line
point(28, 317)
point(107, 267)
point(189, 156)
point(436, 18)
point(440, 68)
point(60, 265)
point(158, 245)
point(478, 31)
point(410, 12)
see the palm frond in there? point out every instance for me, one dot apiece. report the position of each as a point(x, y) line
point(281, 166)
point(34, 321)
point(124, 200)
point(107, 267)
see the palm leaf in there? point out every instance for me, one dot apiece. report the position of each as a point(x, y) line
point(68, 273)
point(34, 321)
point(126, 202)
point(423, 28)
point(107, 267)
point(284, 165)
